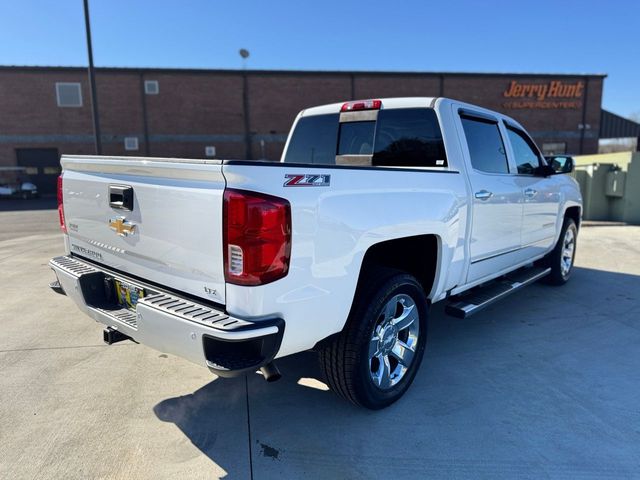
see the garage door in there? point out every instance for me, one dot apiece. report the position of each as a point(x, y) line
point(43, 167)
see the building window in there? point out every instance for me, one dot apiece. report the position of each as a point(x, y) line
point(210, 151)
point(554, 148)
point(151, 87)
point(131, 143)
point(68, 94)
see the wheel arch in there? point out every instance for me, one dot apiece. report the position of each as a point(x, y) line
point(394, 255)
point(417, 255)
point(574, 213)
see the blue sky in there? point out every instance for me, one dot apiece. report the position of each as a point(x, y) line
point(453, 35)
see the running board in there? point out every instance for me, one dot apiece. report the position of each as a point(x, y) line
point(477, 299)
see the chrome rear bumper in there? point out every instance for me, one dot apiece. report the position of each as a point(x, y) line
point(170, 323)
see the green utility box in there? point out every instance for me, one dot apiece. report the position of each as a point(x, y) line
point(610, 186)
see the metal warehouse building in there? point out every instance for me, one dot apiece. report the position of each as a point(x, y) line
point(46, 111)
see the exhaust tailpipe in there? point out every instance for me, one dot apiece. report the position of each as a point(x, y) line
point(270, 372)
point(56, 287)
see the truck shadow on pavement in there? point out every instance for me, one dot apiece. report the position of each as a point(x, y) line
point(497, 395)
point(218, 418)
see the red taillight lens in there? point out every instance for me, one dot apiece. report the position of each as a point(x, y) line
point(63, 225)
point(257, 237)
point(361, 105)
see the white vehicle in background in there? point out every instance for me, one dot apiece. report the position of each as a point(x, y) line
point(13, 183)
point(378, 209)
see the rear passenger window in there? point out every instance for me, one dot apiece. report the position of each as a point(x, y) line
point(525, 153)
point(314, 140)
point(409, 137)
point(485, 145)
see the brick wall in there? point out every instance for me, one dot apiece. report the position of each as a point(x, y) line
point(198, 108)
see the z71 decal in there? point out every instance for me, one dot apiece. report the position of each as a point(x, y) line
point(306, 180)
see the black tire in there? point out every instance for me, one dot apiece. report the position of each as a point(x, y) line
point(345, 361)
point(560, 275)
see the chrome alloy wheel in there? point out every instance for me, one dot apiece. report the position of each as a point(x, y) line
point(394, 341)
point(568, 247)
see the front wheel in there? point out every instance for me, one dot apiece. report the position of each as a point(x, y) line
point(561, 258)
point(376, 357)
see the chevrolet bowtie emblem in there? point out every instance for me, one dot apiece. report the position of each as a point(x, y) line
point(121, 226)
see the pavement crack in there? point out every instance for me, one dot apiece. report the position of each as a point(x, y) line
point(246, 385)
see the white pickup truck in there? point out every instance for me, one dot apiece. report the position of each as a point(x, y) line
point(378, 209)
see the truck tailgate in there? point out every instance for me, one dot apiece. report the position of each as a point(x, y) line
point(169, 233)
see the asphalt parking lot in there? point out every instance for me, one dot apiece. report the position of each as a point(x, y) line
point(545, 384)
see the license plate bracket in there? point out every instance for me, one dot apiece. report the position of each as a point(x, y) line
point(127, 294)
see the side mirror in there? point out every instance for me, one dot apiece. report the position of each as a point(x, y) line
point(568, 165)
point(561, 163)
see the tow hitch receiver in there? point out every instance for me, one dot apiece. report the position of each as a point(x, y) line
point(111, 336)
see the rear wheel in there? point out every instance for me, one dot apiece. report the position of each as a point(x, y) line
point(563, 255)
point(376, 357)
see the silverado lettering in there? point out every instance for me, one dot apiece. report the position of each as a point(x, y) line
point(86, 252)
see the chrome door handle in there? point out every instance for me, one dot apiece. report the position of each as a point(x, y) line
point(483, 195)
point(530, 192)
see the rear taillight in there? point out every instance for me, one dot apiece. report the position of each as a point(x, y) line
point(63, 225)
point(257, 237)
point(361, 105)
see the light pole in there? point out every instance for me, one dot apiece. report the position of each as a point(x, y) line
point(245, 104)
point(92, 82)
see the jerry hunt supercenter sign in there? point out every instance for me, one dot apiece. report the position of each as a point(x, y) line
point(554, 94)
